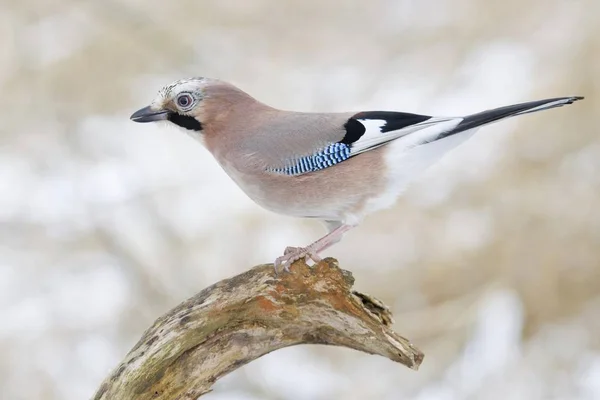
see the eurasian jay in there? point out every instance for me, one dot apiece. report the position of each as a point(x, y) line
point(333, 167)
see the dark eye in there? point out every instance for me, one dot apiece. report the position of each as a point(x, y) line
point(184, 100)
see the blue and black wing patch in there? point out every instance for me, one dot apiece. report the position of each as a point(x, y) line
point(327, 157)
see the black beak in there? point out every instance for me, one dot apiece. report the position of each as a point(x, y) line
point(147, 114)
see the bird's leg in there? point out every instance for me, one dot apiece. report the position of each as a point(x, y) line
point(291, 249)
point(311, 251)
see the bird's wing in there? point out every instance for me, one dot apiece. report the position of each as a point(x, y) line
point(321, 142)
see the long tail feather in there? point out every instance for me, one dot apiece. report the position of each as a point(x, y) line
point(489, 116)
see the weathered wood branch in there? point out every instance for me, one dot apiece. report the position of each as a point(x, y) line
point(242, 318)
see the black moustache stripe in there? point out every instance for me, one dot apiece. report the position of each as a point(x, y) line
point(185, 121)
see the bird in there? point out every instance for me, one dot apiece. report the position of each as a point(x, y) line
point(333, 167)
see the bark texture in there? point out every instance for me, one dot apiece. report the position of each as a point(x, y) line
point(242, 318)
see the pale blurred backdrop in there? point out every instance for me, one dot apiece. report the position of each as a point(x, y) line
point(491, 263)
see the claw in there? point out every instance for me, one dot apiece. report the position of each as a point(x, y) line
point(281, 264)
point(292, 254)
point(291, 249)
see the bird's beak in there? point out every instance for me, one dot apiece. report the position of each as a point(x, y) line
point(147, 114)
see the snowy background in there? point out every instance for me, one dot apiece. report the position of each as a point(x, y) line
point(491, 263)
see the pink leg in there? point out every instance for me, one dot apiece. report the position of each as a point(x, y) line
point(312, 250)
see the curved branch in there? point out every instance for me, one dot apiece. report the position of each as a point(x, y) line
point(242, 318)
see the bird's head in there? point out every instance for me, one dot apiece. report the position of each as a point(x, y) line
point(180, 102)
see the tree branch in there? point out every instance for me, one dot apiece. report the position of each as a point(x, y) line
point(242, 318)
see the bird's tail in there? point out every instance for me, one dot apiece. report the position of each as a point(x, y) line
point(485, 117)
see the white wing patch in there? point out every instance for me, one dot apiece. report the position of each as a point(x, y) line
point(372, 136)
point(372, 126)
point(427, 130)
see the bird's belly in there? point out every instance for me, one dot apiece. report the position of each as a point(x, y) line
point(296, 199)
point(337, 193)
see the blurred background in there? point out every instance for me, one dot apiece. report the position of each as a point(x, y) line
point(491, 263)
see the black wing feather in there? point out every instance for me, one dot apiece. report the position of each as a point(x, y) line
point(394, 120)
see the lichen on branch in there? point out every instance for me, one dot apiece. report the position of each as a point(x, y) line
point(244, 317)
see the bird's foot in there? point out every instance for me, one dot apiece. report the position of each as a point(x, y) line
point(292, 254)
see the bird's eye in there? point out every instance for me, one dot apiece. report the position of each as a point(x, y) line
point(184, 100)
